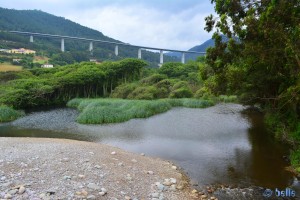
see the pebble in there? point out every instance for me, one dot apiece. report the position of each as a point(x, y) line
point(67, 177)
point(120, 164)
point(167, 182)
point(134, 160)
point(150, 172)
point(173, 180)
point(7, 196)
point(3, 178)
point(113, 153)
point(172, 188)
point(81, 176)
point(174, 167)
point(22, 190)
point(103, 190)
point(160, 186)
point(12, 192)
point(203, 196)
point(97, 166)
point(155, 195)
point(127, 198)
point(93, 186)
point(91, 197)
point(102, 193)
point(142, 154)
point(194, 191)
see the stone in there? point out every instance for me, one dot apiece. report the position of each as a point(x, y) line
point(102, 193)
point(93, 186)
point(174, 167)
point(134, 160)
point(173, 180)
point(155, 195)
point(160, 186)
point(8, 196)
point(172, 188)
point(161, 197)
point(203, 197)
point(179, 187)
point(113, 153)
point(65, 160)
point(142, 154)
point(120, 164)
point(12, 192)
point(97, 166)
point(212, 198)
point(67, 177)
point(104, 190)
point(167, 182)
point(194, 191)
point(91, 197)
point(21, 190)
point(150, 172)
point(127, 198)
point(3, 178)
point(81, 176)
point(84, 193)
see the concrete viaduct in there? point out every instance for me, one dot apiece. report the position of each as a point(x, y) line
point(116, 44)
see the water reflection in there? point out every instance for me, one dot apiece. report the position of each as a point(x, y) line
point(213, 145)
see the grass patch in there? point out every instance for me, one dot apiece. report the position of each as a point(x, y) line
point(8, 114)
point(101, 111)
point(5, 67)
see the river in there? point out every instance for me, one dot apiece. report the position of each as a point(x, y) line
point(216, 145)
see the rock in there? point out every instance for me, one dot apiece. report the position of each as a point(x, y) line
point(65, 160)
point(91, 197)
point(155, 195)
point(172, 188)
point(81, 176)
point(21, 190)
point(194, 191)
point(179, 187)
point(113, 153)
point(161, 197)
point(160, 186)
point(174, 167)
point(97, 166)
point(92, 153)
point(212, 198)
point(173, 180)
point(7, 196)
point(150, 172)
point(102, 193)
point(134, 160)
point(103, 190)
point(203, 197)
point(84, 193)
point(127, 198)
point(142, 154)
point(12, 192)
point(167, 182)
point(67, 177)
point(120, 164)
point(93, 186)
point(194, 183)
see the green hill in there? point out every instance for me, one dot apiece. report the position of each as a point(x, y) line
point(41, 22)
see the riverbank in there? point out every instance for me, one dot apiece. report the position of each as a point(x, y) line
point(41, 168)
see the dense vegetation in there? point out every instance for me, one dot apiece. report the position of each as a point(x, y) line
point(9, 114)
point(76, 51)
point(100, 111)
point(263, 64)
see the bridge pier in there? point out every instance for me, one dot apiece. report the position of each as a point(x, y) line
point(183, 58)
point(62, 45)
point(116, 50)
point(31, 39)
point(91, 46)
point(161, 59)
point(140, 53)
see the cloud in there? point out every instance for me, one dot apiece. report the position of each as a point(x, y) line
point(147, 26)
point(173, 24)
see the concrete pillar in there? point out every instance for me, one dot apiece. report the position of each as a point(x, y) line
point(140, 53)
point(161, 60)
point(31, 38)
point(183, 58)
point(116, 50)
point(91, 46)
point(62, 46)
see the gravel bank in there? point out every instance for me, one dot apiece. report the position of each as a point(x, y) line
point(40, 169)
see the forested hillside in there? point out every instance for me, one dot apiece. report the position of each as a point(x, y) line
point(41, 22)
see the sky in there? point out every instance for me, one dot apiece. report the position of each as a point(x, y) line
point(171, 24)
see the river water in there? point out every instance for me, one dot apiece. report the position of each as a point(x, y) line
point(216, 145)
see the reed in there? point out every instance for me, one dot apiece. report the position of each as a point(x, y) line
point(102, 111)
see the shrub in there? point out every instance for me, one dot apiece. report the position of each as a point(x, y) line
point(9, 114)
point(124, 90)
point(153, 79)
point(181, 93)
point(146, 92)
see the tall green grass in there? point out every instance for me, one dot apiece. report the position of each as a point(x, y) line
point(9, 114)
point(101, 111)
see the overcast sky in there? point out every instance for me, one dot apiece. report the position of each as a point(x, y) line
point(173, 24)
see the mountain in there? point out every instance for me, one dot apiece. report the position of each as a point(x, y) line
point(42, 22)
point(199, 48)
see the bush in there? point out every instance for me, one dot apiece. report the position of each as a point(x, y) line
point(146, 92)
point(124, 90)
point(9, 114)
point(153, 79)
point(181, 93)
